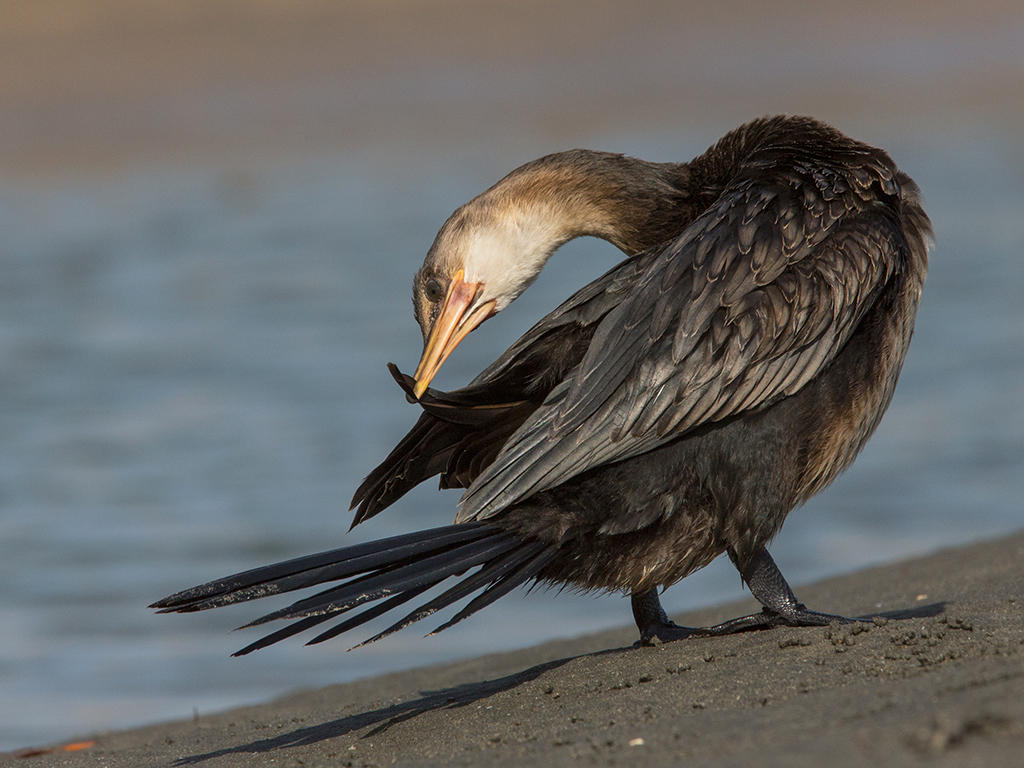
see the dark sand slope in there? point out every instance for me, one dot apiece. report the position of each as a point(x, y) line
point(943, 686)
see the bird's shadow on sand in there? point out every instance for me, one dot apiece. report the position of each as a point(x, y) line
point(450, 698)
point(385, 717)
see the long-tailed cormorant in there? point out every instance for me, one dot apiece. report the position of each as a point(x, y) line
point(676, 408)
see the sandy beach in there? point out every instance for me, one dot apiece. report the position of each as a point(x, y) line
point(936, 680)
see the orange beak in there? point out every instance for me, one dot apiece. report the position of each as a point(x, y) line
point(452, 325)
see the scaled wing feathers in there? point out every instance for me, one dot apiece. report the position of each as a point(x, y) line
point(745, 307)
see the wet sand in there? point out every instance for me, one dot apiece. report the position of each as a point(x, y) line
point(938, 680)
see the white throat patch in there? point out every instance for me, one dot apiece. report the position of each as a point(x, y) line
point(508, 256)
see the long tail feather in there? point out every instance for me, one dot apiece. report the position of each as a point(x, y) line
point(311, 621)
point(370, 613)
point(491, 572)
point(392, 571)
point(428, 570)
point(503, 586)
point(315, 569)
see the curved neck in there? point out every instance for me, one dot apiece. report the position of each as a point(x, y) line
point(631, 203)
point(503, 238)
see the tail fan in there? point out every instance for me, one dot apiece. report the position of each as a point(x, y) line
point(392, 571)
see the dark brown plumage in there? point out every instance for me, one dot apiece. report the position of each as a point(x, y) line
point(674, 409)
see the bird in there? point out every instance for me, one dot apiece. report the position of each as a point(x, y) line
point(672, 410)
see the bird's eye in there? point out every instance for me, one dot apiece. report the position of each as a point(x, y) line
point(433, 290)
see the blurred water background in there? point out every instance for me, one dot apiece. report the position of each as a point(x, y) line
point(202, 279)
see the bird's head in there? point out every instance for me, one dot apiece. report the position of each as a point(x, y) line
point(483, 258)
point(492, 248)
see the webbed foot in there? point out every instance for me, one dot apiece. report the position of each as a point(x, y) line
point(798, 616)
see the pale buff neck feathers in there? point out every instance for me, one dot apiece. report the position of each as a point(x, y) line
point(502, 238)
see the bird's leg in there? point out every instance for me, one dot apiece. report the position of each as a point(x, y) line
point(652, 622)
point(781, 608)
point(767, 584)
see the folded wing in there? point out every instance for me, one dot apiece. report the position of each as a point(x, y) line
point(749, 304)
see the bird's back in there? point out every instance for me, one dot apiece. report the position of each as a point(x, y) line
point(690, 397)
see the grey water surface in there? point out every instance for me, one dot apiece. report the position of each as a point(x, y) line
point(193, 382)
